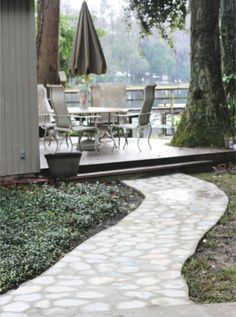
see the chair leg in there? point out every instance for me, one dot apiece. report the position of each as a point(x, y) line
point(67, 136)
point(70, 142)
point(139, 134)
point(113, 140)
point(55, 137)
point(96, 143)
point(79, 143)
point(55, 134)
point(126, 138)
point(149, 136)
point(58, 147)
point(118, 137)
point(52, 137)
point(48, 135)
point(44, 137)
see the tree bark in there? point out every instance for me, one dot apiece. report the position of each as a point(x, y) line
point(206, 119)
point(228, 41)
point(47, 41)
point(228, 28)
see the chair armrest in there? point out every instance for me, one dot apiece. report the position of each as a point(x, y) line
point(126, 115)
point(62, 115)
point(44, 114)
point(136, 114)
point(145, 113)
point(46, 119)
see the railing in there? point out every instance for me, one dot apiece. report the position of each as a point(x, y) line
point(163, 94)
point(170, 101)
point(173, 93)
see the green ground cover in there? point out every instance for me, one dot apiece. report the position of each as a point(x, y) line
point(211, 272)
point(38, 223)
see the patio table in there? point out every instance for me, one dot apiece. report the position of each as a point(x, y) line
point(98, 111)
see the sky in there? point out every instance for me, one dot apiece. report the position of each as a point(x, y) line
point(94, 4)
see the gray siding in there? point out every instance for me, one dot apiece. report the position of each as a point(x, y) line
point(18, 89)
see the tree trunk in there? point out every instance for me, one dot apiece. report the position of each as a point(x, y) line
point(47, 41)
point(228, 11)
point(228, 41)
point(206, 118)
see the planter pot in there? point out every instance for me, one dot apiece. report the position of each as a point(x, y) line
point(64, 164)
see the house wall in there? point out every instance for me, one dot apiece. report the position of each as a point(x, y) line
point(19, 142)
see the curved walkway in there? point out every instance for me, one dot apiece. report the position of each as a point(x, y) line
point(135, 264)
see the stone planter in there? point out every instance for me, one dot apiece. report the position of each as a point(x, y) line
point(63, 164)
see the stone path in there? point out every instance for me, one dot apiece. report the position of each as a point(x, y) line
point(135, 264)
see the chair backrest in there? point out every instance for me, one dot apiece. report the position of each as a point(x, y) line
point(62, 77)
point(108, 95)
point(149, 97)
point(44, 108)
point(57, 98)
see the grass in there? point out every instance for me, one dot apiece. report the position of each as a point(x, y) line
point(38, 224)
point(211, 272)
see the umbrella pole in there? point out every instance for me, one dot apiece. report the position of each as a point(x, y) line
point(86, 78)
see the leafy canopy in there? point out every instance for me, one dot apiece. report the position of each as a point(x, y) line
point(166, 15)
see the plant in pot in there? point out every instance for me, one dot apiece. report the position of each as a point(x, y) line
point(83, 94)
point(84, 91)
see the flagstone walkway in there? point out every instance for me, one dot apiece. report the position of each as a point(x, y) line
point(135, 264)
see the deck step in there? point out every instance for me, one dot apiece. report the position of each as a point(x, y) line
point(161, 169)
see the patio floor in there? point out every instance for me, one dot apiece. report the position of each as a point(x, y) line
point(161, 153)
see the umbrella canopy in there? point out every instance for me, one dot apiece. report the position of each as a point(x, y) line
point(86, 56)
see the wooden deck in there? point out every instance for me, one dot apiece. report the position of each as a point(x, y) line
point(162, 157)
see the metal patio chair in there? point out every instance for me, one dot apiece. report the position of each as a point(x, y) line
point(143, 121)
point(107, 95)
point(66, 124)
point(46, 114)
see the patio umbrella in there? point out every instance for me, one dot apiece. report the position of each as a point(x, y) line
point(86, 56)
